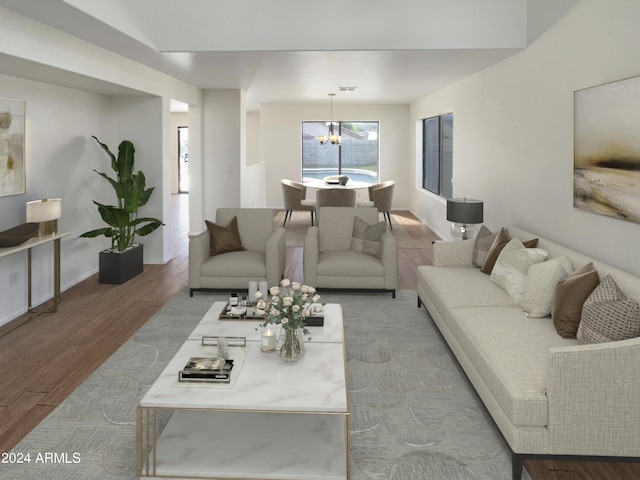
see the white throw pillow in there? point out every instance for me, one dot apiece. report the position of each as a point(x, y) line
point(512, 266)
point(541, 283)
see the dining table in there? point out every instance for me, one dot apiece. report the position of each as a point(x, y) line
point(320, 184)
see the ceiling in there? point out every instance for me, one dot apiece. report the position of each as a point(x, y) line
point(291, 51)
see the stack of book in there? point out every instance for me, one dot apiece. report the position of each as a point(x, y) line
point(207, 370)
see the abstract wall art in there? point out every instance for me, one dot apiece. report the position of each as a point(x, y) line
point(606, 177)
point(12, 166)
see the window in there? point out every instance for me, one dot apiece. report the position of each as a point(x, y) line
point(357, 157)
point(437, 155)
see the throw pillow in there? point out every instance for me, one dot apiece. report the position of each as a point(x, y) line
point(608, 315)
point(541, 282)
point(569, 297)
point(482, 245)
point(512, 266)
point(224, 238)
point(501, 240)
point(367, 238)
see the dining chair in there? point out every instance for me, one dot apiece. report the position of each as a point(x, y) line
point(335, 197)
point(294, 194)
point(381, 197)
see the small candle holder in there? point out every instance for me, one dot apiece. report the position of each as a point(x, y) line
point(268, 340)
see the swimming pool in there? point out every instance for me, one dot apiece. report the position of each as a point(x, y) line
point(354, 174)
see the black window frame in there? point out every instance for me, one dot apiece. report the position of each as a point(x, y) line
point(338, 129)
point(437, 155)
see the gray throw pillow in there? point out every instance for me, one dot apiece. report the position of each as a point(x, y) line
point(482, 245)
point(367, 238)
point(608, 315)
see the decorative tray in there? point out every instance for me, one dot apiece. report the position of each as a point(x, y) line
point(248, 313)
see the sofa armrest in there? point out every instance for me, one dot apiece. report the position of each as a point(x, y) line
point(594, 399)
point(275, 256)
point(311, 254)
point(198, 255)
point(453, 254)
point(389, 258)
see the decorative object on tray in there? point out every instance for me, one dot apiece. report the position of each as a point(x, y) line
point(289, 305)
point(250, 312)
point(223, 347)
point(207, 369)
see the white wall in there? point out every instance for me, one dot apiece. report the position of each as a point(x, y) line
point(513, 132)
point(60, 158)
point(141, 120)
point(281, 134)
point(252, 187)
point(223, 130)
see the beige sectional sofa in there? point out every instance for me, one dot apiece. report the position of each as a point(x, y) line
point(548, 395)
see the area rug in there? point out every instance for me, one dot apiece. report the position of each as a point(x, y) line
point(413, 413)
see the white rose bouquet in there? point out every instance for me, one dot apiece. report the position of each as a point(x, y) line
point(289, 304)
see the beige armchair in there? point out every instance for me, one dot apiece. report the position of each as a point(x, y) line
point(294, 194)
point(381, 197)
point(329, 262)
point(263, 259)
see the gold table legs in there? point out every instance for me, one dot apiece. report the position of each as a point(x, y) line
point(56, 281)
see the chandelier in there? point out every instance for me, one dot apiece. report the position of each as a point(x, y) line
point(332, 137)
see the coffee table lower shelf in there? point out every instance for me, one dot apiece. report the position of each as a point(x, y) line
point(244, 445)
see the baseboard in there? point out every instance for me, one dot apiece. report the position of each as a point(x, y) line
point(17, 321)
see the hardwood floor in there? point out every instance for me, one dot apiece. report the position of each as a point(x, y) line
point(44, 360)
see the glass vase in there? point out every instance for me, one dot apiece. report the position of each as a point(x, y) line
point(292, 348)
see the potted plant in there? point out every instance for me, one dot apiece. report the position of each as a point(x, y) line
point(124, 260)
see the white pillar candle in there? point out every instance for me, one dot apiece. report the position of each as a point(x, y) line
point(253, 288)
point(264, 289)
point(268, 340)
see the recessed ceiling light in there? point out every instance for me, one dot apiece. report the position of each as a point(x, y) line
point(346, 89)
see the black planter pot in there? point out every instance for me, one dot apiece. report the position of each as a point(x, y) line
point(118, 267)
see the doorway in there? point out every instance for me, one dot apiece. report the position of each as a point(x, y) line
point(183, 159)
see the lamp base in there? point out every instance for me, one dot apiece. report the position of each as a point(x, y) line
point(49, 227)
point(463, 231)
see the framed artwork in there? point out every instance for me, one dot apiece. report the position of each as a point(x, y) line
point(606, 152)
point(12, 166)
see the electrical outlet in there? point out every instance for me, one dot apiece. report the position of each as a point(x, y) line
point(14, 279)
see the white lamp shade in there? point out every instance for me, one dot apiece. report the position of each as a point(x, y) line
point(44, 210)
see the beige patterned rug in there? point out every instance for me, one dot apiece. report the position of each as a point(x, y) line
point(414, 414)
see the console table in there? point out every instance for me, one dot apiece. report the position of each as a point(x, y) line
point(28, 245)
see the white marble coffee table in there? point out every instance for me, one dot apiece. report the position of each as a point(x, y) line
point(275, 421)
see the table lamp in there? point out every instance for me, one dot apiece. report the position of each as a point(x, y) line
point(46, 212)
point(465, 213)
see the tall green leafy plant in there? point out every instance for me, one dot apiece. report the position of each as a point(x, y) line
point(131, 192)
